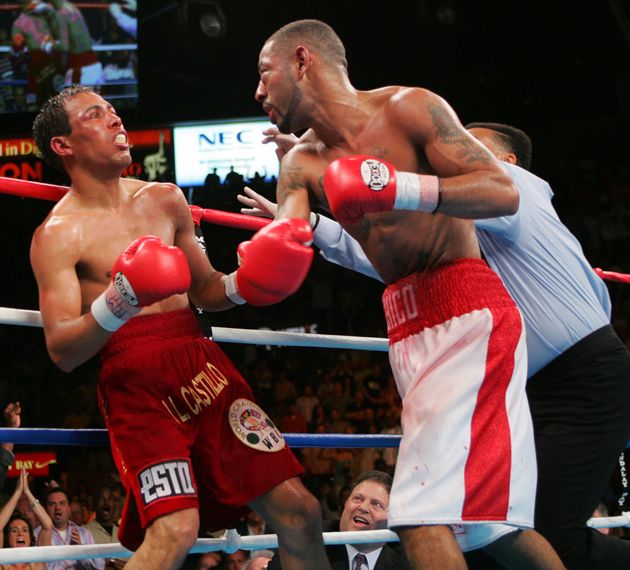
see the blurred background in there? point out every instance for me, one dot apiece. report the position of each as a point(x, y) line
point(557, 69)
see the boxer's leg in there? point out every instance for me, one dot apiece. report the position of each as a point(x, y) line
point(431, 548)
point(296, 517)
point(524, 550)
point(167, 541)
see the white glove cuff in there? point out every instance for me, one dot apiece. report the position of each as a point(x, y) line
point(419, 192)
point(110, 309)
point(231, 289)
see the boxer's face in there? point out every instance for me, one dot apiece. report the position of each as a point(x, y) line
point(97, 134)
point(277, 90)
point(365, 508)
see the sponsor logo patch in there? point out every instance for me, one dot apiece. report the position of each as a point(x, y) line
point(253, 427)
point(125, 289)
point(168, 479)
point(375, 174)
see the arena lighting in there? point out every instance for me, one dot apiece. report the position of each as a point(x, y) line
point(203, 20)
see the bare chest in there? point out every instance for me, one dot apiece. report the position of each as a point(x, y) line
point(104, 236)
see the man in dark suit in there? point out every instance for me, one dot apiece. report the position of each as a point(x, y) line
point(365, 509)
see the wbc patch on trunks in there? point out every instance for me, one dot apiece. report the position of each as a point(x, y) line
point(165, 480)
point(253, 427)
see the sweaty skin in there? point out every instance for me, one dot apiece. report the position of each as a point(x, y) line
point(411, 128)
point(73, 251)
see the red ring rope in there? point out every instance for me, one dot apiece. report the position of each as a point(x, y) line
point(42, 191)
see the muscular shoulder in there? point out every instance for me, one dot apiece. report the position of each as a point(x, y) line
point(417, 109)
point(58, 237)
point(162, 198)
point(164, 193)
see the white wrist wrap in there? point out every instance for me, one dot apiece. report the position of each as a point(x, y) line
point(231, 290)
point(420, 192)
point(114, 307)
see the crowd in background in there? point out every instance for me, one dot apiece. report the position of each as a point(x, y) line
point(303, 390)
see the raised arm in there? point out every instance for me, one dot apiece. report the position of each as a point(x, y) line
point(9, 507)
point(472, 183)
point(44, 538)
point(294, 181)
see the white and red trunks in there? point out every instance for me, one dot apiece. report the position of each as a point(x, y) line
point(457, 351)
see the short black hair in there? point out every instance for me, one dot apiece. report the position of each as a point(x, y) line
point(52, 121)
point(375, 475)
point(515, 140)
point(52, 490)
point(316, 35)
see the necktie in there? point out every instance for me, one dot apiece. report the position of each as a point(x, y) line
point(360, 562)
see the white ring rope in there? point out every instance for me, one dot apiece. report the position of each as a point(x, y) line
point(95, 47)
point(230, 542)
point(30, 318)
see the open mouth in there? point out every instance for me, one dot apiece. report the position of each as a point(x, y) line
point(121, 140)
point(360, 521)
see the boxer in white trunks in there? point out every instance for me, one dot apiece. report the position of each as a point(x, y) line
point(457, 343)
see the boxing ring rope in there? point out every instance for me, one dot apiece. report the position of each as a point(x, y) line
point(31, 318)
point(54, 436)
point(54, 192)
point(231, 540)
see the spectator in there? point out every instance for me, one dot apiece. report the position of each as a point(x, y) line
point(76, 512)
point(307, 403)
point(209, 560)
point(338, 400)
point(293, 421)
point(103, 528)
point(259, 560)
point(365, 509)
point(236, 560)
point(11, 416)
point(67, 532)
point(252, 525)
point(284, 390)
point(16, 531)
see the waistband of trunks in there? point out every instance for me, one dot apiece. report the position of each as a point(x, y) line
point(82, 59)
point(152, 328)
point(423, 300)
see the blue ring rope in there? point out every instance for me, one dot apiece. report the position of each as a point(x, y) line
point(47, 436)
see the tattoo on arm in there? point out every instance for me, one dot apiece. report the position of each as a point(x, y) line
point(293, 181)
point(448, 132)
point(378, 152)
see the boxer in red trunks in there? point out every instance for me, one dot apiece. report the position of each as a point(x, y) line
point(416, 229)
point(182, 421)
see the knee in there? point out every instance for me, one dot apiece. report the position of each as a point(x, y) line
point(304, 513)
point(177, 531)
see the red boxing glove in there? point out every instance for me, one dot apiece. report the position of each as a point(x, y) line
point(146, 272)
point(273, 264)
point(357, 185)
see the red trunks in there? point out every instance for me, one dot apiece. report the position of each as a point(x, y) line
point(184, 430)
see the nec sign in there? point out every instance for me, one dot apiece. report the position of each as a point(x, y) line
point(223, 138)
